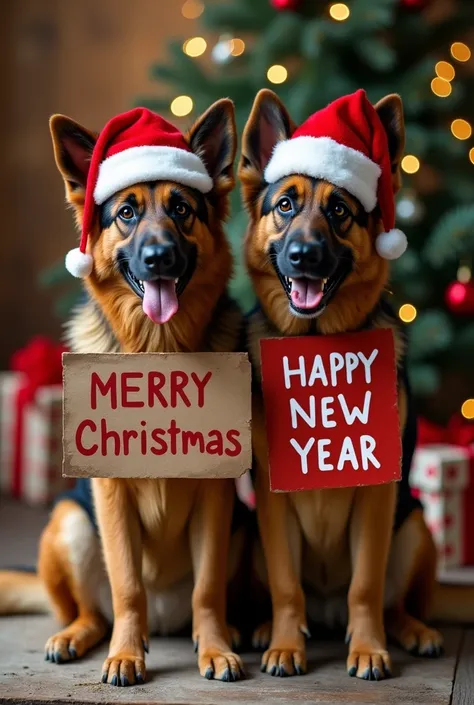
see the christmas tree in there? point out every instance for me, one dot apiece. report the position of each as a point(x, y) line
point(311, 52)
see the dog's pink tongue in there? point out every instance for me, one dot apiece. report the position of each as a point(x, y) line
point(306, 293)
point(160, 302)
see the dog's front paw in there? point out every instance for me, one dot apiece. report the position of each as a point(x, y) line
point(124, 668)
point(262, 636)
point(368, 662)
point(220, 665)
point(284, 660)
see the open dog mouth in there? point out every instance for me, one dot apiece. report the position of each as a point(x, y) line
point(160, 295)
point(308, 295)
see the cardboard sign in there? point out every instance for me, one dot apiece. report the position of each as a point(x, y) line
point(331, 410)
point(157, 415)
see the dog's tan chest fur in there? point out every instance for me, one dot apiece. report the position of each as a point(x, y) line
point(323, 516)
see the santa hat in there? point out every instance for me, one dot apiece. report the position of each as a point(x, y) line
point(134, 147)
point(346, 144)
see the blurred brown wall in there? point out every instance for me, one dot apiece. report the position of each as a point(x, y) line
point(88, 59)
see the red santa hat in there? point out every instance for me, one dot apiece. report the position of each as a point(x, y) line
point(133, 147)
point(346, 144)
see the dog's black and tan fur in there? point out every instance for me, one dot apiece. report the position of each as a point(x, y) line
point(338, 542)
point(165, 541)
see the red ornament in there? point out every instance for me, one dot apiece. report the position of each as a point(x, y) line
point(285, 5)
point(460, 298)
point(414, 4)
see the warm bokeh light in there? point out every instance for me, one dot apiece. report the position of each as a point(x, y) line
point(464, 273)
point(457, 293)
point(460, 51)
point(407, 313)
point(195, 46)
point(471, 154)
point(467, 409)
point(339, 11)
point(461, 129)
point(410, 164)
point(181, 105)
point(440, 87)
point(277, 74)
point(237, 47)
point(192, 9)
point(445, 70)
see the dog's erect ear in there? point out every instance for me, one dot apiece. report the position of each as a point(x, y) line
point(390, 112)
point(73, 147)
point(268, 124)
point(214, 138)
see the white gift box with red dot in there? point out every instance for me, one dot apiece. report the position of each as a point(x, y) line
point(443, 477)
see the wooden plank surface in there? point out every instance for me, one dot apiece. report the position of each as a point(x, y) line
point(463, 691)
point(173, 678)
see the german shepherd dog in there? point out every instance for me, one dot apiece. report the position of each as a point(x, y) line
point(155, 533)
point(336, 542)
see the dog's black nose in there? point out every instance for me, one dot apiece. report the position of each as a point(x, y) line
point(305, 255)
point(159, 258)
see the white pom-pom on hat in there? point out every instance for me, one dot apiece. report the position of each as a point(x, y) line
point(79, 263)
point(392, 244)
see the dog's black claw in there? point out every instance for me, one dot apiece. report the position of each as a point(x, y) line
point(387, 671)
point(299, 670)
point(306, 632)
point(139, 678)
point(367, 674)
point(114, 680)
point(376, 674)
point(104, 677)
point(348, 638)
point(57, 657)
point(226, 676)
point(146, 646)
point(236, 675)
point(209, 674)
point(275, 671)
point(124, 681)
point(283, 672)
point(263, 668)
point(196, 646)
point(352, 671)
point(72, 652)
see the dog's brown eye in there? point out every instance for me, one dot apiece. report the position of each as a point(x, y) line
point(284, 205)
point(340, 210)
point(182, 210)
point(126, 213)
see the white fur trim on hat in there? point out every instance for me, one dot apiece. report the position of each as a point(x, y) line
point(78, 263)
point(150, 163)
point(391, 245)
point(324, 158)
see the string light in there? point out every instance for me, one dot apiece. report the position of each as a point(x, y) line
point(467, 409)
point(461, 129)
point(471, 155)
point(407, 313)
point(410, 164)
point(181, 105)
point(445, 70)
point(192, 9)
point(195, 46)
point(464, 274)
point(441, 87)
point(237, 47)
point(277, 74)
point(339, 11)
point(460, 51)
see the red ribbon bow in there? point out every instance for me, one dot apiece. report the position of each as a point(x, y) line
point(458, 432)
point(41, 364)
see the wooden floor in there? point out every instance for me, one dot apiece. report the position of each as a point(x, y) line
point(171, 665)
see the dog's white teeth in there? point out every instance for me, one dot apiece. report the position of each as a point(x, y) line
point(289, 281)
point(176, 281)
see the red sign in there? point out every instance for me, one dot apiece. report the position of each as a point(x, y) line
point(331, 410)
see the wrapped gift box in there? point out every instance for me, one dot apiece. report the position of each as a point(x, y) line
point(31, 423)
point(443, 478)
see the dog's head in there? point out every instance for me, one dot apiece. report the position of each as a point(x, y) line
point(311, 245)
point(158, 248)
